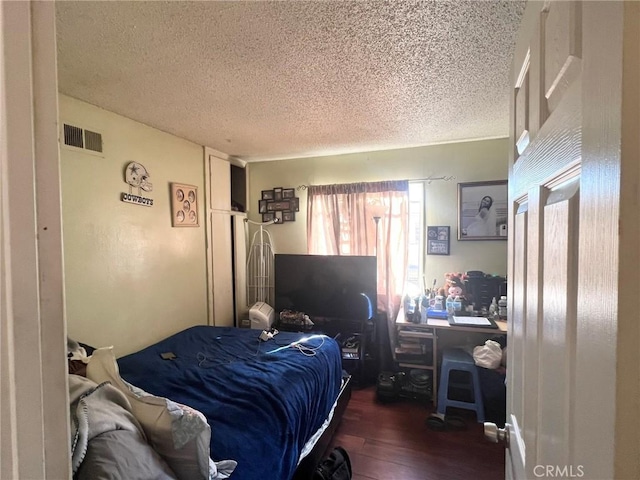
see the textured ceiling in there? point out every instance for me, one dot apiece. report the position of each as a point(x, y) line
point(268, 80)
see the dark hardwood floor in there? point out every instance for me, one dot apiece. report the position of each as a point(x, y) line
point(391, 441)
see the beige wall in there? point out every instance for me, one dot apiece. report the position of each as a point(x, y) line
point(468, 162)
point(131, 279)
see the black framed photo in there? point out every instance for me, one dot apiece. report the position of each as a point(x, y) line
point(288, 216)
point(262, 206)
point(267, 194)
point(288, 192)
point(482, 210)
point(295, 204)
point(278, 216)
point(275, 206)
point(277, 194)
point(438, 240)
point(268, 217)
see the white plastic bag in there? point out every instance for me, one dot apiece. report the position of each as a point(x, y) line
point(488, 355)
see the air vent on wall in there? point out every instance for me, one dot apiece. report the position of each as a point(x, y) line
point(81, 138)
point(73, 136)
point(93, 141)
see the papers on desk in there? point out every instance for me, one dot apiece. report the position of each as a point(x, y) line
point(472, 322)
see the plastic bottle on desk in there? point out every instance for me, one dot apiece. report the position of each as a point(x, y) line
point(457, 304)
point(493, 308)
point(409, 307)
point(437, 304)
point(449, 305)
point(424, 306)
point(502, 307)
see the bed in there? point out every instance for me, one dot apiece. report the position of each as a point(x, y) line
point(271, 405)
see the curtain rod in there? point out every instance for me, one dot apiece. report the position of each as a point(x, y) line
point(429, 179)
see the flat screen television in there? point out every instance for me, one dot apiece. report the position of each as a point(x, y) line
point(326, 286)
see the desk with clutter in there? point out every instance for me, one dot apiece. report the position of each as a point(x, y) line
point(425, 327)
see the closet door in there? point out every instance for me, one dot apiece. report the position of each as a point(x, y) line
point(219, 239)
point(240, 233)
point(222, 278)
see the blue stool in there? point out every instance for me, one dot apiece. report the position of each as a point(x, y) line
point(455, 359)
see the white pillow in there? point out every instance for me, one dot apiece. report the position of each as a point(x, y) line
point(180, 434)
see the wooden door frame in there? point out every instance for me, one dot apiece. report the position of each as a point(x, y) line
point(34, 410)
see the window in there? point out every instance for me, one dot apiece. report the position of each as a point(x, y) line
point(341, 221)
point(416, 238)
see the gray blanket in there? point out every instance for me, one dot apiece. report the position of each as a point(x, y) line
point(101, 420)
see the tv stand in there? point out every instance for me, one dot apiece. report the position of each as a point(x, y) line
point(354, 337)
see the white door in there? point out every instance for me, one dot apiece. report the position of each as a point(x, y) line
point(240, 233)
point(565, 186)
point(222, 269)
point(219, 238)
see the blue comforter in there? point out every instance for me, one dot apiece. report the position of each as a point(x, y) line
point(263, 400)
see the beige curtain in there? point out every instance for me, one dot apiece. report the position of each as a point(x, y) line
point(341, 221)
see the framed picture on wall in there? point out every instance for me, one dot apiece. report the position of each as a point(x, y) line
point(274, 206)
point(482, 210)
point(438, 240)
point(184, 205)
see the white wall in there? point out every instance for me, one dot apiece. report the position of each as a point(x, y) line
point(131, 279)
point(467, 161)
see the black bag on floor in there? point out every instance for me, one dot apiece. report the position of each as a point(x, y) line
point(336, 467)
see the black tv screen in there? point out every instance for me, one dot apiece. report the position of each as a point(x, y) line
point(328, 286)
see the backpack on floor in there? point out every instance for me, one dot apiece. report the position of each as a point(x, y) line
point(336, 467)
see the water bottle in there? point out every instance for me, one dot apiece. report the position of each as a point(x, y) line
point(493, 308)
point(437, 305)
point(449, 304)
point(502, 307)
point(457, 304)
point(424, 306)
point(409, 307)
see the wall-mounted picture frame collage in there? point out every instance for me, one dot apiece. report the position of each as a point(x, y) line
point(184, 205)
point(279, 205)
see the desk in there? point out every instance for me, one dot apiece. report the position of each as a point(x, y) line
point(444, 324)
point(427, 333)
